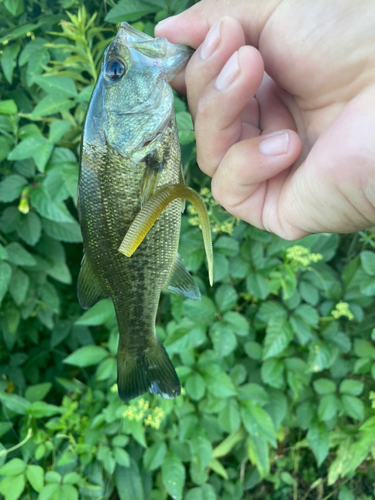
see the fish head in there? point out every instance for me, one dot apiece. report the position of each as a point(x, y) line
point(132, 102)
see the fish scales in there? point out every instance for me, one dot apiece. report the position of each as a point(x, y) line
point(130, 157)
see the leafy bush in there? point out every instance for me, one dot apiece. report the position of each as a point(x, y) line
point(276, 361)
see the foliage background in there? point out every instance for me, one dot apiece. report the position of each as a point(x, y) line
point(276, 361)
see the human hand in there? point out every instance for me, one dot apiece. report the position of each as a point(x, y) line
point(291, 150)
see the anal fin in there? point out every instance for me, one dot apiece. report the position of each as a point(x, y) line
point(89, 290)
point(181, 282)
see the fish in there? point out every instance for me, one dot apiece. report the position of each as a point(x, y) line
point(130, 198)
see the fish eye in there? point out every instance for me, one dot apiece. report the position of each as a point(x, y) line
point(114, 69)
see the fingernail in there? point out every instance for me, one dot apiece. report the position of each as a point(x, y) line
point(165, 21)
point(211, 41)
point(229, 73)
point(275, 144)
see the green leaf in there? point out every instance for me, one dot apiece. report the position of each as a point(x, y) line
point(324, 386)
point(129, 11)
point(106, 370)
point(35, 476)
point(229, 417)
point(173, 475)
point(259, 454)
point(11, 188)
point(154, 456)
point(272, 372)
point(227, 245)
point(18, 286)
point(48, 491)
point(8, 107)
point(257, 422)
point(43, 204)
point(15, 403)
point(57, 130)
point(254, 350)
point(279, 334)
point(29, 228)
point(368, 262)
point(6, 145)
point(51, 104)
point(257, 286)
point(308, 314)
point(218, 382)
point(121, 457)
point(40, 409)
point(12, 487)
point(185, 127)
point(99, 314)
point(57, 85)
point(70, 176)
point(353, 407)
point(226, 298)
point(27, 148)
point(223, 338)
point(238, 322)
point(308, 293)
point(63, 231)
point(352, 387)
point(8, 60)
point(38, 392)
point(327, 407)
point(271, 310)
point(318, 439)
point(128, 482)
point(19, 256)
point(71, 478)
point(15, 7)
point(13, 467)
point(204, 492)
point(195, 386)
point(202, 310)
point(86, 356)
point(364, 349)
point(5, 276)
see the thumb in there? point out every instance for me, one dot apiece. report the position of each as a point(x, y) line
point(191, 26)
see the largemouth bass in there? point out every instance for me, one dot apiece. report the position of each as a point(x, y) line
point(129, 203)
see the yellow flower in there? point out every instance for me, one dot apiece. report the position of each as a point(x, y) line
point(342, 310)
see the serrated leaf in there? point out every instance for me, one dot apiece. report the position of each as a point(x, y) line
point(353, 406)
point(5, 276)
point(272, 372)
point(259, 454)
point(368, 262)
point(324, 386)
point(327, 407)
point(29, 228)
point(69, 232)
point(226, 298)
point(99, 314)
point(43, 204)
point(19, 255)
point(57, 85)
point(11, 188)
point(128, 482)
point(8, 60)
point(257, 422)
point(218, 382)
point(195, 386)
point(57, 130)
point(257, 286)
point(318, 439)
point(173, 475)
point(352, 387)
point(154, 456)
point(18, 286)
point(279, 334)
point(229, 417)
point(86, 356)
point(50, 105)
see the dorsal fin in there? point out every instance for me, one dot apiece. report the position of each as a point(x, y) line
point(89, 290)
point(181, 282)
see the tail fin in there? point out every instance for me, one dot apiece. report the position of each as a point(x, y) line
point(151, 371)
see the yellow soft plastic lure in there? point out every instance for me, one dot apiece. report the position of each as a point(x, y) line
point(154, 207)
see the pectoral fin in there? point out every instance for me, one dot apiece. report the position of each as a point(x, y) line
point(154, 207)
point(89, 290)
point(150, 182)
point(181, 281)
